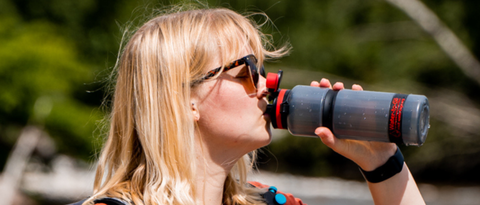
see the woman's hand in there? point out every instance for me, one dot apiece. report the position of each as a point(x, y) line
point(366, 154)
point(399, 189)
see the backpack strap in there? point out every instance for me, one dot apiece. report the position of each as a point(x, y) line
point(102, 201)
point(274, 198)
point(78, 202)
point(109, 201)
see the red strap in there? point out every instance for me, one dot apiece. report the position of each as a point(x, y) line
point(258, 185)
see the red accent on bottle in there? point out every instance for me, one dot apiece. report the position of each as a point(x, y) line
point(277, 110)
point(395, 121)
point(272, 81)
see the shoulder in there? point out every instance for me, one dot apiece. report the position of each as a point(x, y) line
point(274, 197)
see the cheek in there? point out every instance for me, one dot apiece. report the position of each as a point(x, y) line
point(228, 97)
point(225, 108)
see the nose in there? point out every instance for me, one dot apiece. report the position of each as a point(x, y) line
point(262, 88)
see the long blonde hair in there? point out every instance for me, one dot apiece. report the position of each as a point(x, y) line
point(147, 158)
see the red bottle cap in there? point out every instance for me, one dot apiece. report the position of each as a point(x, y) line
point(272, 81)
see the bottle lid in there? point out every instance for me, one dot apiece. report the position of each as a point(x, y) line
point(272, 81)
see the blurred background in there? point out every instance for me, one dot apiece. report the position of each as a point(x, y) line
point(56, 54)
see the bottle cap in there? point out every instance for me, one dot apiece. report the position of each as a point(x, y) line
point(272, 81)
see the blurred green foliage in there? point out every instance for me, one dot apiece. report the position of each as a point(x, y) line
point(39, 60)
point(63, 49)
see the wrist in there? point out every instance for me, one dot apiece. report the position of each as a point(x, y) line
point(376, 156)
point(390, 168)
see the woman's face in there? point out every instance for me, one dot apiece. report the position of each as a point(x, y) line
point(231, 112)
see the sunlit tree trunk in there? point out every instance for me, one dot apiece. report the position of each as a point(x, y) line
point(445, 38)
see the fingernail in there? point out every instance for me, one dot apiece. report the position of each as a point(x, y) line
point(317, 131)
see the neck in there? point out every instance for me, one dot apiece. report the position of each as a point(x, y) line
point(212, 171)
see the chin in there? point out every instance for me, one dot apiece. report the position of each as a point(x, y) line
point(267, 138)
point(269, 134)
point(269, 131)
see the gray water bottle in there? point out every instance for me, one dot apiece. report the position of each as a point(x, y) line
point(359, 115)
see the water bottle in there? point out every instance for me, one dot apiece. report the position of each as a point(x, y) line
point(349, 114)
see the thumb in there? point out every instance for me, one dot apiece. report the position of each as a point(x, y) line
point(326, 136)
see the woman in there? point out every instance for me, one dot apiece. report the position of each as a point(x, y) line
point(188, 115)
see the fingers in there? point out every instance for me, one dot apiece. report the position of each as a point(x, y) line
point(325, 83)
point(338, 86)
point(356, 87)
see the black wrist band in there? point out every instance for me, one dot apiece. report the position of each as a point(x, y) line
point(393, 166)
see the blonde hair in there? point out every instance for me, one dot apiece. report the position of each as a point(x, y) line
point(147, 158)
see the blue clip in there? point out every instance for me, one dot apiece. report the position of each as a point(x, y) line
point(280, 199)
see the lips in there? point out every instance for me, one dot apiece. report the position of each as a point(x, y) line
point(263, 104)
point(266, 116)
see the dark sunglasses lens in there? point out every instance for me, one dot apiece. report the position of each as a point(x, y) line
point(251, 63)
point(254, 76)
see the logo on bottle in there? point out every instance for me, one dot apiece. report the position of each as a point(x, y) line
point(395, 118)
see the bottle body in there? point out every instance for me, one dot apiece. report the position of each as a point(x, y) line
point(359, 115)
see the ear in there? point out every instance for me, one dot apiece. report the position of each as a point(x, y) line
point(195, 112)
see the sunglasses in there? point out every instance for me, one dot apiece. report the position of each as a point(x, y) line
point(251, 63)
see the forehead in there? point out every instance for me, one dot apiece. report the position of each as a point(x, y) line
point(233, 45)
point(225, 59)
